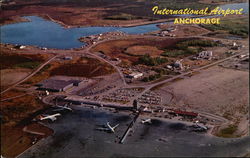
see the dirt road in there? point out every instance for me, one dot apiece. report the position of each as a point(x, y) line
point(30, 75)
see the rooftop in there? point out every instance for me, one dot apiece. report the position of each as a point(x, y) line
point(54, 84)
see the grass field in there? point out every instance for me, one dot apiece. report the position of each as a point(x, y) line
point(16, 114)
point(228, 132)
point(189, 47)
point(85, 67)
point(123, 16)
point(149, 61)
point(19, 61)
point(129, 50)
point(180, 4)
point(140, 50)
point(82, 67)
point(235, 26)
point(19, 108)
point(94, 12)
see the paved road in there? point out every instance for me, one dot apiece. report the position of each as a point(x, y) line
point(87, 51)
point(30, 75)
point(148, 87)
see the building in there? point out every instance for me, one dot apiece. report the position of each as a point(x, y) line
point(54, 85)
point(169, 67)
point(57, 85)
point(67, 58)
point(20, 47)
point(171, 29)
point(76, 82)
point(135, 75)
point(178, 64)
point(163, 33)
point(205, 55)
point(44, 48)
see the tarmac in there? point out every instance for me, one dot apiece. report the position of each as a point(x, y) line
point(76, 136)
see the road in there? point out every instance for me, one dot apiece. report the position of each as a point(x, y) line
point(30, 75)
point(15, 97)
point(32, 132)
point(149, 87)
point(87, 51)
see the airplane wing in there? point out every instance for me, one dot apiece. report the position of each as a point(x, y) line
point(68, 108)
point(62, 108)
point(58, 109)
point(115, 126)
point(52, 118)
point(102, 129)
point(109, 126)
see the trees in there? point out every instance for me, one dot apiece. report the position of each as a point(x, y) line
point(149, 61)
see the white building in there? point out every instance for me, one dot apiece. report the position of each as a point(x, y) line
point(234, 44)
point(22, 47)
point(135, 75)
point(163, 33)
point(178, 64)
point(205, 54)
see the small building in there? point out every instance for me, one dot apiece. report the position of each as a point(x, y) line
point(135, 75)
point(235, 47)
point(115, 59)
point(242, 56)
point(171, 29)
point(91, 37)
point(205, 55)
point(20, 47)
point(169, 67)
point(234, 44)
point(172, 35)
point(67, 58)
point(178, 64)
point(163, 33)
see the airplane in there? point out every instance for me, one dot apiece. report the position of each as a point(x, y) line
point(51, 117)
point(199, 127)
point(146, 121)
point(108, 128)
point(65, 107)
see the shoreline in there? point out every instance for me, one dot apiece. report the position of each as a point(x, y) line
point(146, 22)
point(16, 18)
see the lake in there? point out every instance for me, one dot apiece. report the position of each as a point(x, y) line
point(44, 33)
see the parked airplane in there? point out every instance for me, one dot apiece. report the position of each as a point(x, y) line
point(199, 127)
point(51, 117)
point(146, 121)
point(108, 128)
point(65, 107)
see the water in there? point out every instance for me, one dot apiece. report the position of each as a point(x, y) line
point(44, 33)
point(245, 6)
